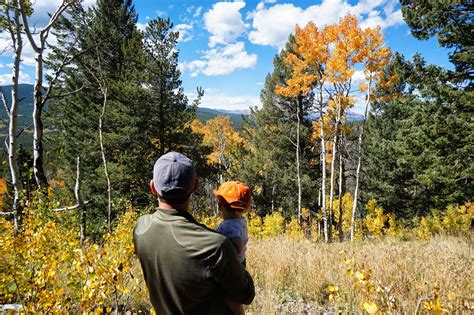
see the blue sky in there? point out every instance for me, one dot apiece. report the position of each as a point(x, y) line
point(227, 48)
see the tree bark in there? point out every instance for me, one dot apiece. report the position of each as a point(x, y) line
point(17, 43)
point(39, 100)
point(333, 162)
point(104, 160)
point(38, 162)
point(79, 203)
point(298, 171)
point(273, 198)
point(323, 165)
point(341, 193)
point(356, 190)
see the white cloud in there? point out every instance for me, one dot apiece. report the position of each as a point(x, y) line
point(221, 61)
point(214, 98)
point(358, 77)
point(224, 22)
point(184, 32)
point(160, 13)
point(226, 54)
point(142, 26)
point(197, 12)
point(271, 26)
point(6, 79)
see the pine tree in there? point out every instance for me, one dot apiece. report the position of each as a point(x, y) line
point(451, 22)
point(109, 54)
point(420, 143)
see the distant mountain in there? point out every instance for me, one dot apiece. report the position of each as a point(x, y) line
point(203, 113)
point(351, 117)
point(25, 92)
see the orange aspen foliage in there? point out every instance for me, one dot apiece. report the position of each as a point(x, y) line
point(221, 137)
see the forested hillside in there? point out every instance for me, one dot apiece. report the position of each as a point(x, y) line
point(389, 186)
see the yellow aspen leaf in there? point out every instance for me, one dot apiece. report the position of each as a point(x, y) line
point(371, 307)
point(59, 291)
point(428, 305)
point(332, 288)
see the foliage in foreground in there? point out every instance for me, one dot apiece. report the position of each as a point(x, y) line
point(46, 269)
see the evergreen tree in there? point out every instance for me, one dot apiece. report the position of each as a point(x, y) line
point(452, 22)
point(167, 116)
point(125, 103)
point(420, 142)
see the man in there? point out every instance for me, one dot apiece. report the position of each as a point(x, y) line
point(188, 268)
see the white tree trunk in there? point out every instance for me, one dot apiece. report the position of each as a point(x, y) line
point(79, 203)
point(341, 193)
point(39, 100)
point(333, 162)
point(298, 172)
point(15, 32)
point(104, 160)
point(323, 165)
point(359, 149)
point(38, 168)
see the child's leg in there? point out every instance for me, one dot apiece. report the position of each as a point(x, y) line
point(235, 307)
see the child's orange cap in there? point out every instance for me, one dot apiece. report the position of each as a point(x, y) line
point(236, 194)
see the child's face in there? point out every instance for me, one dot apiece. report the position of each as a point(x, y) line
point(227, 213)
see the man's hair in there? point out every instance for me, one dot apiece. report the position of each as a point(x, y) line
point(175, 201)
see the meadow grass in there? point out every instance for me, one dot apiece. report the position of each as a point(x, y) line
point(294, 276)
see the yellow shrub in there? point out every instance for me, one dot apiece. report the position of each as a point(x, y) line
point(376, 219)
point(347, 204)
point(272, 224)
point(255, 225)
point(212, 221)
point(45, 269)
point(424, 231)
point(457, 220)
point(293, 230)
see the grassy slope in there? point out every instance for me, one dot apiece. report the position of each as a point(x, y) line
point(293, 277)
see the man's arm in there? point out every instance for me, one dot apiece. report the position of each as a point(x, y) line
point(238, 244)
point(231, 276)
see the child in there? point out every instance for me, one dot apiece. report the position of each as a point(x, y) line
point(234, 199)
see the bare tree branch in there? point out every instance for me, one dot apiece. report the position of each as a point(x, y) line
point(4, 102)
point(66, 94)
point(70, 207)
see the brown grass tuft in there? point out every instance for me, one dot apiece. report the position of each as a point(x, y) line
point(294, 276)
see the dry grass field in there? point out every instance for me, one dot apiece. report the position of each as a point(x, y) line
point(398, 277)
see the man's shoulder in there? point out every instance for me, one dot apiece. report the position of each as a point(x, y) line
point(144, 222)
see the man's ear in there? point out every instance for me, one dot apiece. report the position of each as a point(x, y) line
point(153, 189)
point(196, 185)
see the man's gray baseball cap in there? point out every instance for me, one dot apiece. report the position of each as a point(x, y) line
point(174, 176)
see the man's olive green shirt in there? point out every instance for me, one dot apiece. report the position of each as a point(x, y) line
point(188, 268)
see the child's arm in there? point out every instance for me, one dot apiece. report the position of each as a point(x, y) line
point(238, 243)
